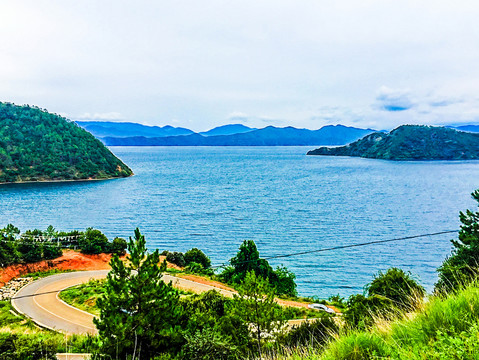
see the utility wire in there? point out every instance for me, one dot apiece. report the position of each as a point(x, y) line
point(300, 253)
point(339, 247)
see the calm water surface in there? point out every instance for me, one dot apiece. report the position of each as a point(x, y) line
point(216, 197)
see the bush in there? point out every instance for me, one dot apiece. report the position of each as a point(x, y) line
point(197, 256)
point(51, 251)
point(94, 242)
point(312, 333)
point(176, 258)
point(209, 344)
point(30, 252)
point(26, 347)
point(363, 311)
point(118, 246)
point(399, 287)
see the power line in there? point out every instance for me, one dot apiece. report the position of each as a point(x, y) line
point(340, 247)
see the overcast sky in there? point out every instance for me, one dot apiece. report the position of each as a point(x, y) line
point(200, 64)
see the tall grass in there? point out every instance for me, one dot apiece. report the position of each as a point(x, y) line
point(443, 328)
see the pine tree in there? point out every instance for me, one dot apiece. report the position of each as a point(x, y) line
point(463, 265)
point(139, 311)
point(256, 305)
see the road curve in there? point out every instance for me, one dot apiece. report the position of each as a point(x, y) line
point(47, 310)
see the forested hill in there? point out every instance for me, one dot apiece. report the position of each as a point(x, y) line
point(411, 142)
point(36, 145)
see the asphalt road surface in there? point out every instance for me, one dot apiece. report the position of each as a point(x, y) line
point(47, 310)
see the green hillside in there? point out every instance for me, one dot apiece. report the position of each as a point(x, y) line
point(411, 142)
point(36, 145)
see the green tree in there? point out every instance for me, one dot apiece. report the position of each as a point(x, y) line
point(399, 287)
point(118, 246)
point(197, 256)
point(463, 265)
point(247, 259)
point(139, 311)
point(94, 241)
point(255, 304)
point(363, 311)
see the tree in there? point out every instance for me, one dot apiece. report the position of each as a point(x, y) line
point(362, 311)
point(255, 304)
point(247, 259)
point(399, 287)
point(197, 256)
point(118, 246)
point(139, 311)
point(463, 265)
point(94, 242)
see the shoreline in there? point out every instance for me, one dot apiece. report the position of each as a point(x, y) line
point(62, 181)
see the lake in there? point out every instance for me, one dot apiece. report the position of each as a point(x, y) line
point(213, 198)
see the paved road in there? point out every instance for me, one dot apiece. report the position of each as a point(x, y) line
point(47, 310)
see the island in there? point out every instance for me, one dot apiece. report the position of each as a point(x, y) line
point(411, 142)
point(36, 145)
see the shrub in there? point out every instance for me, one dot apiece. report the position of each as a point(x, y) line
point(51, 251)
point(176, 258)
point(311, 333)
point(118, 246)
point(397, 286)
point(363, 311)
point(197, 256)
point(209, 344)
point(94, 242)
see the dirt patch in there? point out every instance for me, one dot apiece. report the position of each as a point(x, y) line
point(70, 260)
point(205, 281)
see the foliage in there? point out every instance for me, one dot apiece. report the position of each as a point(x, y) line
point(24, 347)
point(195, 255)
point(399, 287)
point(313, 333)
point(463, 265)
point(176, 258)
point(37, 145)
point(255, 304)
point(94, 242)
point(363, 311)
point(411, 142)
point(21, 339)
point(139, 312)
point(247, 259)
point(208, 344)
point(118, 246)
point(85, 296)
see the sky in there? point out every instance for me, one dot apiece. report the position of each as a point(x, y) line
point(201, 64)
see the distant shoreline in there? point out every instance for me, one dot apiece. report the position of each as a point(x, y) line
point(62, 181)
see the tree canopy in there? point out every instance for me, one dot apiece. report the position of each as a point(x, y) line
point(37, 145)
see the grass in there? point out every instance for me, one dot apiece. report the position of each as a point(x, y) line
point(443, 329)
point(26, 332)
point(85, 296)
point(42, 274)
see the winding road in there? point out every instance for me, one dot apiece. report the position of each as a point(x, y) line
point(47, 310)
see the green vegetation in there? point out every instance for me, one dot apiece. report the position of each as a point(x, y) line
point(138, 312)
point(15, 250)
point(36, 145)
point(462, 266)
point(411, 142)
point(21, 339)
point(85, 296)
point(247, 259)
point(36, 245)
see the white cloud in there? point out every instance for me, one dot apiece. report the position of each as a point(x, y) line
point(109, 116)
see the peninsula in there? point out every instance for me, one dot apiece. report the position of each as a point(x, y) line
point(411, 142)
point(36, 145)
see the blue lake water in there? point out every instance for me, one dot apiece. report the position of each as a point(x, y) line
point(213, 198)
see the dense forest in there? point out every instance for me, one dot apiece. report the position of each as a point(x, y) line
point(411, 142)
point(36, 145)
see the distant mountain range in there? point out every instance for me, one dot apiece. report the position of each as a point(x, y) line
point(101, 129)
point(268, 136)
point(411, 142)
